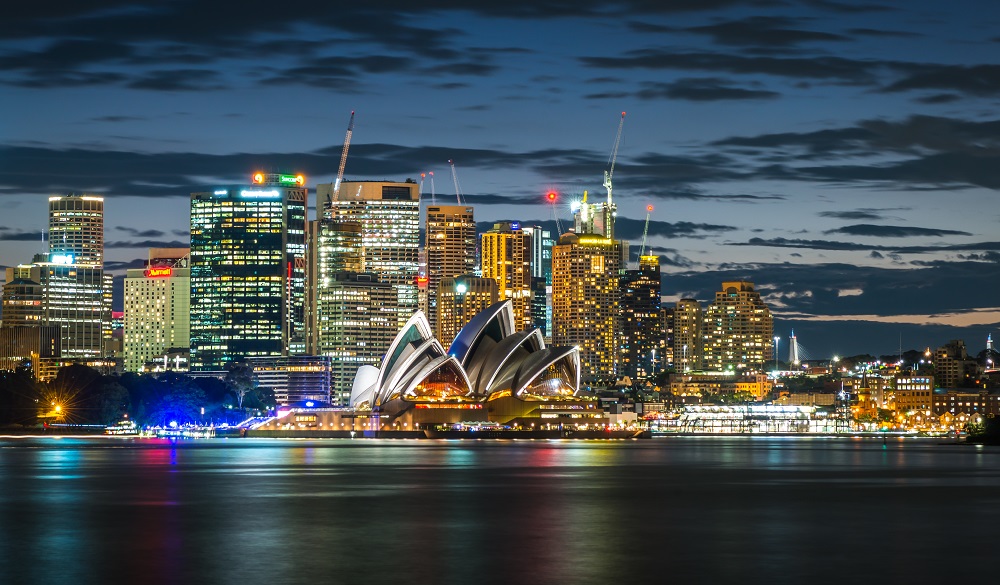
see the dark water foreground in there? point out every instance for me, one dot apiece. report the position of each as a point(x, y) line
point(678, 510)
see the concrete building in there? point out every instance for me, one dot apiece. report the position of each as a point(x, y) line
point(586, 309)
point(157, 307)
point(952, 365)
point(460, 299)
point(506, 258)
point(294, 379)
point(389, 214)
point(643, 333)
point(450, 245)
point(248, 265)
point(357, 321)
point(738, 330)
point(688, 322)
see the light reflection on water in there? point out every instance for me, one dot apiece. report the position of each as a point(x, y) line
point(689, 509)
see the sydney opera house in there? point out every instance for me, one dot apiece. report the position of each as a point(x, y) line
point(491, 373)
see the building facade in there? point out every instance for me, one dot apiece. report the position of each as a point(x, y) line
point(248, 271)
point(460, 298)
point(586, 309)
point(157, 308)
point(294, 379)
point(357, 321)
point(688, 321)
point(450, 246)
point(389, 214)
point(643, 332)
point(506, 258)
point(737, 330)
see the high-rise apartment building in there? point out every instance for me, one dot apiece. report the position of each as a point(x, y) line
point(461, 298)
point(450, 245)
point(506, 258)
point(737, 330)
point(357, 322)
point(23, 297)
point(952, 365)
point(643, 332)
point(586, 309)
point(248, 271)
point(77, 294)
point(541, 275)
point(688, 321)
point(157, 308)
point(389, 214)
point(76, 230)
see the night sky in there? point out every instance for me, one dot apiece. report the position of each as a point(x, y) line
point(844, 156)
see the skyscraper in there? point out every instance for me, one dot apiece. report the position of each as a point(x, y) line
point(688, 321)
point(76, 230)
point(248, 271)
point(389, 214)
point(357, 322)
point(506, 258)
point(72, 276)
point(157, 307)
point(643, 332)
point(461, 298)
point(738, 329)
point(541, 278)
point(450, 247)
point(586, 309)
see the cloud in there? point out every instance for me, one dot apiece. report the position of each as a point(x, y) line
point(929, 152)
point(631, 229)
point(979, 80)
point(140, 233)
point(147, 244)
point(20, 236)
point(706, 89)
point(893, 231)
point(857, 214)
point(811, 68)
point(780, 242)
point(179, 80)
point(116, 119)
point(764, 31)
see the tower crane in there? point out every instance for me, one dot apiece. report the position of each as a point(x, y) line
point(454, 177)
point(645, 230)
point(614, 156)
point(343, 157)
point(551, 197)
point(433, 198)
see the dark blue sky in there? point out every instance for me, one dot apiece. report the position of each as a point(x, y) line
point(844, 156)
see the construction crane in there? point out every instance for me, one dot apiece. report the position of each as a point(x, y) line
point(454, 177)
point(551, 197)
point(614, 156)
point(343, 157)
point(645, 230)
point(433, 199)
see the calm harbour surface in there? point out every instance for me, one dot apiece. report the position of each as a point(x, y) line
point(680, 509)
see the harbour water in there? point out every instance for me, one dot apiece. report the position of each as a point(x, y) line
point(674, 510)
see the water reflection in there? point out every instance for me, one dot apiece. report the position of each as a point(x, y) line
point(690, 509)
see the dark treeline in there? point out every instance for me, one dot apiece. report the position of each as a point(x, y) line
point(82, 395)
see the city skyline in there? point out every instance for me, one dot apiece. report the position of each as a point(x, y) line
point(838, 155)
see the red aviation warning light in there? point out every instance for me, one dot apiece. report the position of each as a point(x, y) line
point(649, 209)
point(258, 178)
point(551, 196)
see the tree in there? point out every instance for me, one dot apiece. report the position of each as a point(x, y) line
point(112, 402)
point(19, 398)
point(241, 381)
point(180, 401)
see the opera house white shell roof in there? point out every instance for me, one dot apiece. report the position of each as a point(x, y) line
point(487, 360)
